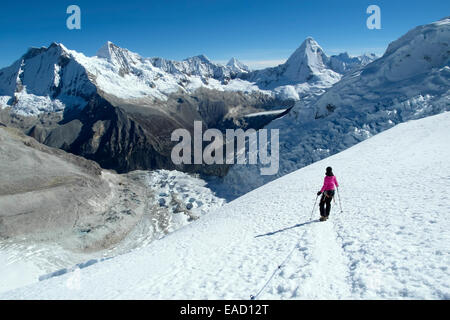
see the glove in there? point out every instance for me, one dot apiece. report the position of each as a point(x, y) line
point(319, 193)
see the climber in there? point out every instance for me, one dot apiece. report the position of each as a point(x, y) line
point(327, 191)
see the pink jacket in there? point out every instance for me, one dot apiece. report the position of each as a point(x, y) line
point(329, 183)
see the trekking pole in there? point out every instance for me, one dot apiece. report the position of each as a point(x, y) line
point(312, 212)
point(340, 204)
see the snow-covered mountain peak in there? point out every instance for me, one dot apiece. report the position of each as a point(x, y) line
point(307, 61)
point(419, 51)
point(237, 66)
point(199, 58)
point(308, 69)
point(436, 31)
point(59, 46)
point(233, 61)
point(310, 52)
point(118, 56)
point(310, 42)
point(105, 50)
point(306, 72)
point(45, 79)
point(54, 49)
point(414, 69)
point(199, 65)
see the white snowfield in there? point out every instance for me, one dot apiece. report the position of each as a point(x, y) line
point(391, 240)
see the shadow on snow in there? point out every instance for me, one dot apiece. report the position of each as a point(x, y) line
point(288, 228)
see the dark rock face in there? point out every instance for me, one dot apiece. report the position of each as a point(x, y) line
point(123, 140)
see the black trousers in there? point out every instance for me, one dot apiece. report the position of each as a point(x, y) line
point(325, 203)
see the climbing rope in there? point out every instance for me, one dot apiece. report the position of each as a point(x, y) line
point(254, 297)
point(273, 274)
point(312, 212)
point(339, 196)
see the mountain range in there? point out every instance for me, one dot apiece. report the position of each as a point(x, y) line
point(56, 77)
point(119, 108)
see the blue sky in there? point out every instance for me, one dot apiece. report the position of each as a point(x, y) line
point(257, 32)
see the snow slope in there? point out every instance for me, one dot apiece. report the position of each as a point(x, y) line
point(391, 241)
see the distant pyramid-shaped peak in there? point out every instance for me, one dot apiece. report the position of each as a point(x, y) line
point(237, 65)
point(308, 49)
point(308, 59)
